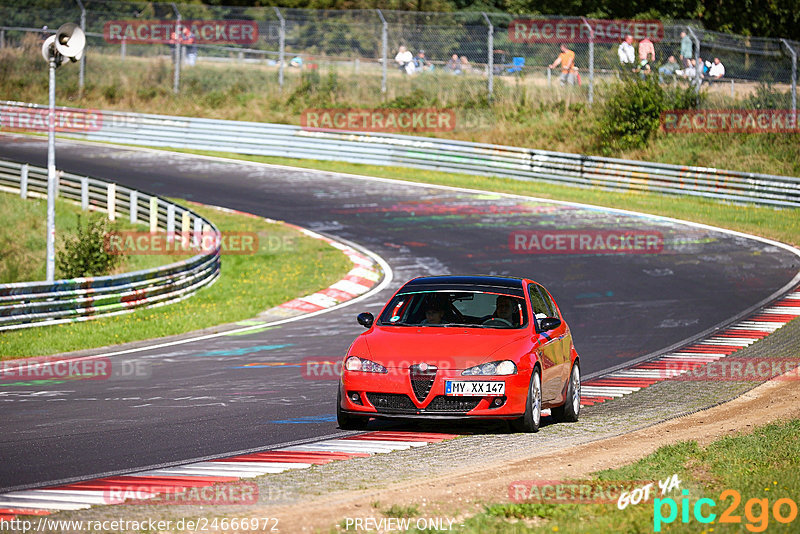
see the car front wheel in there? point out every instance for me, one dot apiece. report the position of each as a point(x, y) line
point(347, 421)
point(533, 407)
point(572, 405)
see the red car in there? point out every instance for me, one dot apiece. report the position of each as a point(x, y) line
point(477, 347)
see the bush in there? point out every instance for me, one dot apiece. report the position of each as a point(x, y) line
point(630, 115)
point(111, 93)
point(632, 112)
point(85, 254)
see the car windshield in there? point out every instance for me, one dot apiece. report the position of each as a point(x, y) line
point(475, 309)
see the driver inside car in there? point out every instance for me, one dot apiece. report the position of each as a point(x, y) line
point(506, 310)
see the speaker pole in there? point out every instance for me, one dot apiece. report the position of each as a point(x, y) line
point(68, 43)
point(51, 173)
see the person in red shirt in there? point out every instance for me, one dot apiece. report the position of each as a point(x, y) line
point(188, 40)
point(647, 51)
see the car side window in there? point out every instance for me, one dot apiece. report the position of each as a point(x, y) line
point(539, 305)
point(548, 301)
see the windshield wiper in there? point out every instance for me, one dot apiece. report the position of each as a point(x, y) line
point(463, 324)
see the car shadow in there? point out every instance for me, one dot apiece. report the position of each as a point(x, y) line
point(445, 426)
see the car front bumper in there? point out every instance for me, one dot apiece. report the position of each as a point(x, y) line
point(392, 395)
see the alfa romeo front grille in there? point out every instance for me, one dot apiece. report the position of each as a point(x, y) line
point(422, 377)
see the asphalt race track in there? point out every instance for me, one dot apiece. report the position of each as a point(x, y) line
point(203, 399)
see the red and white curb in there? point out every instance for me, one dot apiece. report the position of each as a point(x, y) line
point(360, 279)
point(673, 364)
point(150, 484)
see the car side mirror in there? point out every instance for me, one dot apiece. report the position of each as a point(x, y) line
point(366, 319)
point(549, 323)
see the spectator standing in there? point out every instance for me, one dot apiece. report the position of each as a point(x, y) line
point(668, 69)
point(686, 49)
point(405, 60)
point(717, 70)
point(626, 54)
point(188, 40)
point(567, 61)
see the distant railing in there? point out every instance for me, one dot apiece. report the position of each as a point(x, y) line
point(28, 304)
point(430, 153)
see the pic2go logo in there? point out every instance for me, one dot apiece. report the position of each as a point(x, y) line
point(756, 511)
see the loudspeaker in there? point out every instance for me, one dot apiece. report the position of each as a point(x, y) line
point(70, 41)
point(48, 47)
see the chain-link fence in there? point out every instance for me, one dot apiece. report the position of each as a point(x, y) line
point(471, 55)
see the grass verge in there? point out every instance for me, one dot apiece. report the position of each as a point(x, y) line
point(778, 224)
point(23, 238)
point(762, 467)
point(248, 284)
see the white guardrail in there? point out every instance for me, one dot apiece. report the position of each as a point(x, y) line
point(28, 304)
point(408, 151)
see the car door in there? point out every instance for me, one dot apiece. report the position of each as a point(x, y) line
point(563, 339)
point(550, 350)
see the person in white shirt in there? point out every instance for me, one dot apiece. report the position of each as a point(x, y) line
point(717, 70)
point(405, 60)
point(626, 53)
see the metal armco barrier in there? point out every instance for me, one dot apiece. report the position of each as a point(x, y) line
point(424, 153)
point(28, 304)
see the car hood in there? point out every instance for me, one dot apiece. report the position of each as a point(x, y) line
point(453, 348)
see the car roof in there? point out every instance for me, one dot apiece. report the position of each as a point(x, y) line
point(506, 284)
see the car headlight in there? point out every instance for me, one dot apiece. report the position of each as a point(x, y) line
point(504, 367)
point(354, 363)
